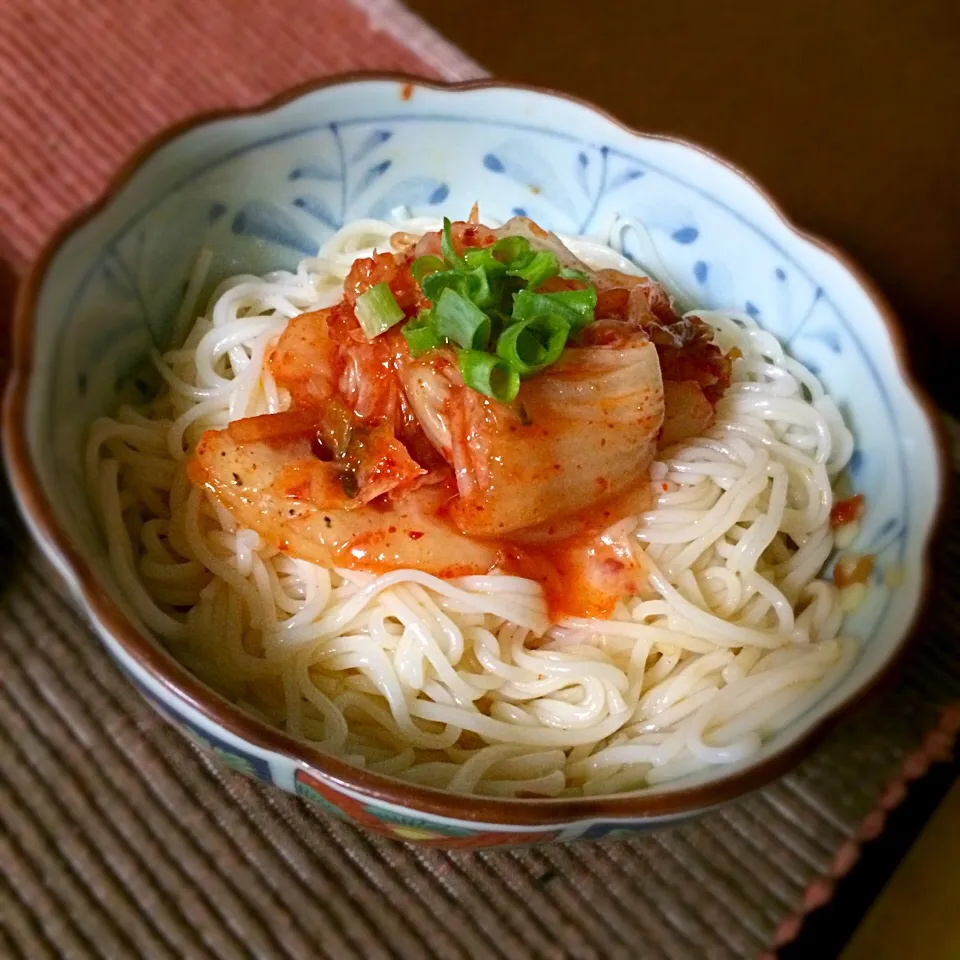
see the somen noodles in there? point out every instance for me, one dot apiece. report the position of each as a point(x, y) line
point(482, 680)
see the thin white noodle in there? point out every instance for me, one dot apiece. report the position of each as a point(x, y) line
point(736, 638)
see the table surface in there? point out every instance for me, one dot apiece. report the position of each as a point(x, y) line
point(916, 913)
point(849, 113)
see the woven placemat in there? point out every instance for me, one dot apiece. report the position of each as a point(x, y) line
point(117, 839)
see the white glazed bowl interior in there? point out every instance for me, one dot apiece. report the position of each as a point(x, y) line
point(264, 190)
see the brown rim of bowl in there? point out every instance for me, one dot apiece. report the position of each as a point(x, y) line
point(181, 684)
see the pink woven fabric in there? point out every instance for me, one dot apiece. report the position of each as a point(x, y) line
point(84, 82)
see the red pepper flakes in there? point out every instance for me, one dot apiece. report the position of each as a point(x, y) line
point(847, 511)
point(852, 568)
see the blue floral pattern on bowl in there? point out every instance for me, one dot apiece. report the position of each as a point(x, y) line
point(205, 736)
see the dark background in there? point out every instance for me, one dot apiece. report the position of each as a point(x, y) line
point(847, 111)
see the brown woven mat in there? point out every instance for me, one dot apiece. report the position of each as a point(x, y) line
point(118, 840)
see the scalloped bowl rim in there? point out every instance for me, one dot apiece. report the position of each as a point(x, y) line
point(179, 683)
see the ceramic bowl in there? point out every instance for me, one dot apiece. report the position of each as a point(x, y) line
point(264, 188)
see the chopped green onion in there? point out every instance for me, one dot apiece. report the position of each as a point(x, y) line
point(423, 266)
point(541, 267)
point(575, 306)
point(473, 286)
point(483, 257)
point(488, 375)
point(512, 250)
point(433, 284)
point(377, 310)
point(421, 334)
point(531, 345)
point(485, 305)
point(478, 288)
point(446, 242)
point(582, 302)
point(461, 322)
